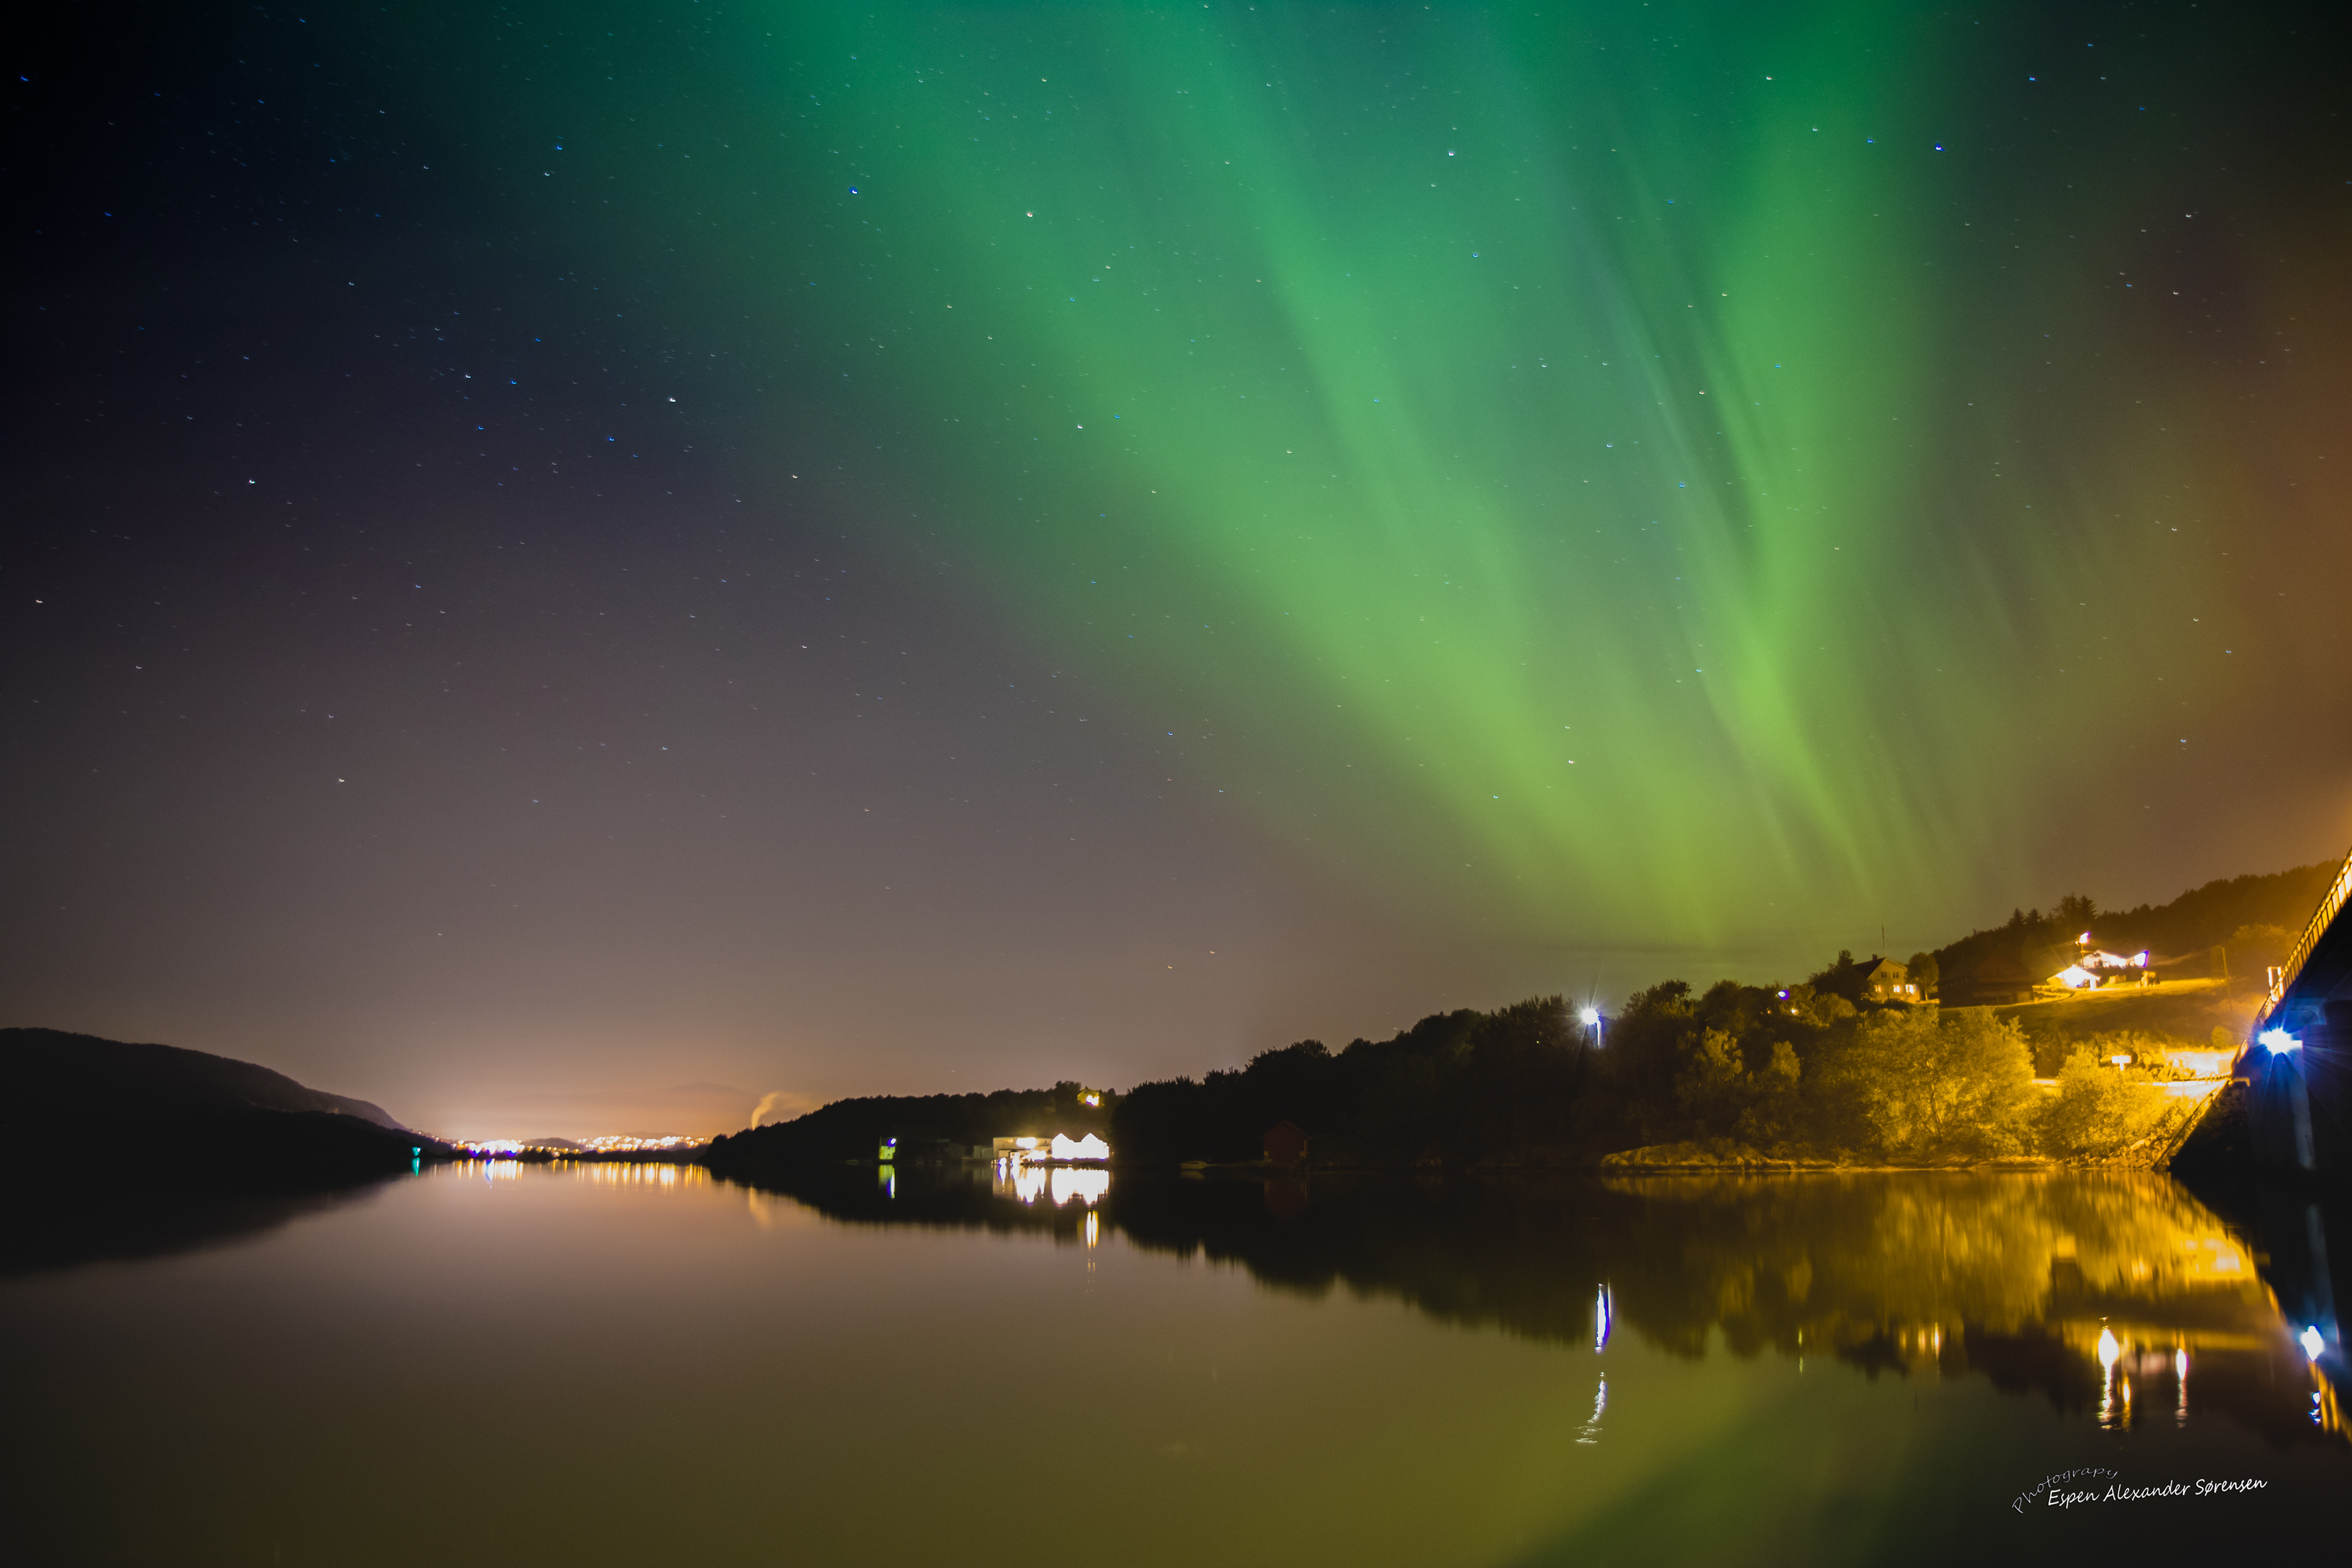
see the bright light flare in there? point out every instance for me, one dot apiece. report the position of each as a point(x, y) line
point(2311, 1343)
point(1592, 1015)
point(2280, 1042)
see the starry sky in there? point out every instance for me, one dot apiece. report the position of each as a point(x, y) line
point(570, 568)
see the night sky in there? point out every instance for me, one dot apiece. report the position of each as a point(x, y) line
point(569, 567)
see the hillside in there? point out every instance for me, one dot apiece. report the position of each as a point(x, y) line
point(49, 1069)
point(2229, 929)
point(115, 1107)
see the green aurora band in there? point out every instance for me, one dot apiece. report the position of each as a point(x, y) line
point(1661, 473)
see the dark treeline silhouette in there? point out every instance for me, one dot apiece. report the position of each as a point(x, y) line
point(1735, 1073)
point(1849, 1065)
point(1790, 1072)
point(854, 1128)
point(1456, 1087)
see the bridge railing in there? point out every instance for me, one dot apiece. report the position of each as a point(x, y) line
point(2331, 904)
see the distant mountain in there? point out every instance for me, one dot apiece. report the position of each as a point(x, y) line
point(113, 1080)
point(110, 1106)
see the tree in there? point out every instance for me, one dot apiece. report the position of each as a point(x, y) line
point(1932, 1084)
point(1712, 1087)
point(1843, 978)
point(2099, 1109)
point(1925, 974)
point(1773, 1113)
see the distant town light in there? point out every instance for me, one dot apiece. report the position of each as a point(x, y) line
point(2280, 1042)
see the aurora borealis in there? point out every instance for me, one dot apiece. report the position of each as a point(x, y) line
point(1296, 516)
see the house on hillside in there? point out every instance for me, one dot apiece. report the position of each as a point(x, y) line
point(1884, 980)
point(1996, 980)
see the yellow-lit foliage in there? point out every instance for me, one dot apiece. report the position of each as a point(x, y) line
point(2099, 1109)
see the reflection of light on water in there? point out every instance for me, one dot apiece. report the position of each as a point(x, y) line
point(636, 1173)
point(2115, 1391)
point(1600, 1319)
point(2210, 1257)
point(1093, 1228)
point(500, 1169)
point(1017, 1177)
point(1591, 1433)
point(1027, 1181)
point(887, 1176)
point(2180, 1375)
point(1085, 1185)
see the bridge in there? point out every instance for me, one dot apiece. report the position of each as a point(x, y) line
point(2297, 1063)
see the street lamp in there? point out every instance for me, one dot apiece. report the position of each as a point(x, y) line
point(1590, 1018)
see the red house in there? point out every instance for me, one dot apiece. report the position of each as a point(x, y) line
point(1284, 1144)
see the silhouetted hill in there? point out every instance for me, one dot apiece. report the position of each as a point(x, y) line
point(2211, 915)
point(2253, 917)
point(112, 1106)
point(112, 1079)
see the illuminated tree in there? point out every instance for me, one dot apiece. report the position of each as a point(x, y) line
point(1931, 1084)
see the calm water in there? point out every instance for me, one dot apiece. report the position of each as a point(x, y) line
point(612, 1363)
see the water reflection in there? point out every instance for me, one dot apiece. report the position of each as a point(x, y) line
point(1025, 1181)
point(44, 1227)
point(2117, 1298)
point(658, 1177)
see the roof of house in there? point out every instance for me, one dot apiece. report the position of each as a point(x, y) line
point(2001, 964)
